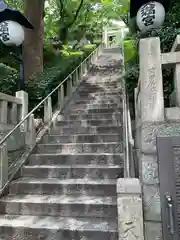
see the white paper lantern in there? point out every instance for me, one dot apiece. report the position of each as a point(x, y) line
point(11, 33)
point(150, 16)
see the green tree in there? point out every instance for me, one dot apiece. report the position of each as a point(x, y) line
point(33, 45)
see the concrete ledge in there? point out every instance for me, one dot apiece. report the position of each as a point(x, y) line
point(128, 186)
point(172, 114)
point(10, 98)
point(169, 60)
point(130, 213)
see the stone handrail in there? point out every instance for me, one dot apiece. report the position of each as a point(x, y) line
point(25, 133)
point(12, 108)
point(10, 98)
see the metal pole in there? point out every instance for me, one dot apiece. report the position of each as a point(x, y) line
point(21, 84)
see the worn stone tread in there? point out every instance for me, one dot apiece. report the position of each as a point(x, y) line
point(80, 158)
point(111, 147)
point(82, 138)
point(66, 181)
point(57, 223)
point(90, 166)
point(88, 116)
point(89, 129)
point(73, 171)
point(61, 199)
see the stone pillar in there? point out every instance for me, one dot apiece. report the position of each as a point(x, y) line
point(48, 110)
point(24, 107)
point(151, 85)
point(130, 215)
point(148, 128)
point(3, 111)
point(151, 126)
point(175, 48)
point(3, 165)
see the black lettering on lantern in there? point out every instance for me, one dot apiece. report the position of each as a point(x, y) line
point(4, 33)
point(148, 14)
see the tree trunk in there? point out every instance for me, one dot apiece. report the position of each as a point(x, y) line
point(33, 44)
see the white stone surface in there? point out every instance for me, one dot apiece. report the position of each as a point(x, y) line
point(130, 216)
point(152, 100)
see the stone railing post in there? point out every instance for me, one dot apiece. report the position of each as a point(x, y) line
point(61, 96)
point(13, 113)
point(24, 107)
point(151, 85)
point(3, 111)
point(175, 48)
point(3, 165)
point(130, 214)
point(77, 76)
point(31, 132)
point(69, 87)
point(47, 110)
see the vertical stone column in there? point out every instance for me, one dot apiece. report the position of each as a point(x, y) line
point(24, 108)
point(175, 48)
point(152, 101)
point(130, 215)
point(150, 126)
point(3, 111)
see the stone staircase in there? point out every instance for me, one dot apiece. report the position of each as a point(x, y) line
point(68, 189)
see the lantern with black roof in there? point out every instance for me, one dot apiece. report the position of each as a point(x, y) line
point(148, 14)
point(12, 24)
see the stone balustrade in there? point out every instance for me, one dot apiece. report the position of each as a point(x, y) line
point(12, 110)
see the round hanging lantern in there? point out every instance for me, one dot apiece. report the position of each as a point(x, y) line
point(11, 33)
point(150, 16)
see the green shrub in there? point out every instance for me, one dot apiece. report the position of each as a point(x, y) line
point(87, 49)
point(39, 86)
point(49, 53)
point(130, 51)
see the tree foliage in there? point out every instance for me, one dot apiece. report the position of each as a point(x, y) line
point(47, 56)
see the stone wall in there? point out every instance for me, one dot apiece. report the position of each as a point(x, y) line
point(153, 120)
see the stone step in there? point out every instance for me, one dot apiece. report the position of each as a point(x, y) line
point(100, 84)
point(59, 205)
point(94, 116)
point(96, 106)
point(73, 171)
point(101, 94)
point(17, 227)
point(100, 89)
point(55, 186)
point(91, 122)
point(94, 110)
point(67, 159)
point(98, 101)
point(103, 129)
point(73, 148)
point(82, 138)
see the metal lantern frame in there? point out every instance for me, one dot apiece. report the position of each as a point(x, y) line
point(8, 14)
